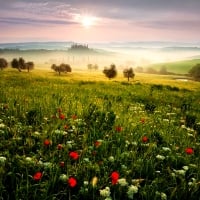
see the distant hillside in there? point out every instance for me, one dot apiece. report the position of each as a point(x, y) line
point(179, 67)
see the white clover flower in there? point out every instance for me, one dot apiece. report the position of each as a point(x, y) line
point(132, 189)
point(122, 182)
point(2, 125)
point(167, 149)
point(108, 198)
point(160, 157)
point(47, 165)
point(180, 172)
point(3, 159)
point(105, 192)
point(163, 196)
point(86, 183)
point(63, 177)
point(111, 159)
point(185, 168)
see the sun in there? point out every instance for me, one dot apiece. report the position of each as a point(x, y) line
point(88, 21)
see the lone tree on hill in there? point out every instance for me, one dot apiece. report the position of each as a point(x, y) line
point(129, 73)
point(110, 72)
point(20, 64)
point(61, 68)
point(3, 63)
point(195, 72)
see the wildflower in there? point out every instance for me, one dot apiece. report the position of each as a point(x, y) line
point(59, 146)
point(62, 164)
point(74, 155)
point(163, 196)
point(47, 142)
point(185, 168)
point(97, 143)
point(111, 159)
point(37, 176)
point(160, 157)
point(132, 189)
point(85, 183)
point(61, 116)
point(118, 128)
point(145, 139)
point(63, 178)
point(105, 192)
point(74, 117)
point(72, 182)
point(166, 149)
point(114, 177)
point(189, 151)
point(142, 120)
point(59, 110)
point(94, 181)
point(122, 182)
point(2, 159)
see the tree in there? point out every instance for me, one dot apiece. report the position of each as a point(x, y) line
point(110, 72)
point(129, 73)
point(15, 64)
point(195, 72)
point(3, 63)
point(61, 68)
point(20, 64)
point(91, 66)
point(163, 70)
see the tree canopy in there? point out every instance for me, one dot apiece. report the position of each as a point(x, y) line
point(61, 68)
point(110, 72)
point(195, 72)
point(3, 63)
point(129, 73)
point(20, 64)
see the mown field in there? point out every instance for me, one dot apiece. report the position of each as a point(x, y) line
point(81, 136)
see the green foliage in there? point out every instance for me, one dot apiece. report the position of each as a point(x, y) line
point(61, 68)
point(140, 131)
point(129, 73)
point(195, 72)
point(20, 64)
point(110, 72)
point(3, 63)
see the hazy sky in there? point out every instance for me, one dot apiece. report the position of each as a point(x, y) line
point(99, 20)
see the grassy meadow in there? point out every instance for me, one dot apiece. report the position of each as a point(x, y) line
point(81, 136)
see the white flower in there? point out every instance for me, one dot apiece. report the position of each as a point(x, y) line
point(180, 172)
point(105, 192)
point(86, 183)
point(2, 125)
point(185, 168)
point(166, 149)
point(63, 177)
point(3, 159)
point(163, 196)
point(160, 157)
point(111, 159)
point(122, 182)
point(132, 189)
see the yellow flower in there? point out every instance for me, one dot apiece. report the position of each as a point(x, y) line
point(94, 181)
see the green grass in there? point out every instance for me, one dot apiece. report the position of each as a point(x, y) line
point(104, 122)
point(179, 67)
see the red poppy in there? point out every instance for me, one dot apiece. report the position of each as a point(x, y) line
point(74, 117)
point(66, 127)
point(142, 120)
point(97, 144)
point(118, 128)
point(114, 177)
point(72, 182)
point(61, 116)
point(59, 146)
point(47, 142)
point(37, 176)
point(145, 139)
point(189, 151)
point(62, 164)
point(74, 155)
point(59, 110)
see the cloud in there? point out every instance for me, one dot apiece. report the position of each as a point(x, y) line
point(28, 21)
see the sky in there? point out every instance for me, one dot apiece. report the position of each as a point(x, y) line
point(99, 20)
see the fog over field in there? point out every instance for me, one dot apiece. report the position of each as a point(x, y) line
point(123, 54)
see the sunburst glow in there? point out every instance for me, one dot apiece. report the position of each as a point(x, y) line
point(88, 21)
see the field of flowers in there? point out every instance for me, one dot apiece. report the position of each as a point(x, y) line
point(87, 140)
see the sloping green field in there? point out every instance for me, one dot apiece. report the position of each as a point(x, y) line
point(179, 67)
